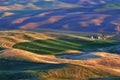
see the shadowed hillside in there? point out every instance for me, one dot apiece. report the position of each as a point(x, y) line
point(47, 71)
point(73, 72)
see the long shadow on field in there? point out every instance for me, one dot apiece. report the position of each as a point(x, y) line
point(19, 70)
point(16, 65)
point(17, 76)
point(76, 56)
point(1, 48)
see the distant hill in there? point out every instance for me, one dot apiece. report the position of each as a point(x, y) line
point(110, 5)
point(75, 19)
point(76, 15)
point(11, 5)
point(89, 2)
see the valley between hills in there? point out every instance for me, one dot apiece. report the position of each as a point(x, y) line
point(58, 55)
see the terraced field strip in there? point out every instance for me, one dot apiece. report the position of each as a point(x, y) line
point(6, 43)
point(54, 46)
point(45, 46)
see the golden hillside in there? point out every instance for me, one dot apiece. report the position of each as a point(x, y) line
point(73, 70)
point(17, 54)
point(9, 38)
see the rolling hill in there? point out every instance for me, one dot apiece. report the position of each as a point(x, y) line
point(47, 55)
point(31, 65)
point(17, 54)
point(50, 42)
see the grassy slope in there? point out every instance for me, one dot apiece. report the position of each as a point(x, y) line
point(52, 46)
